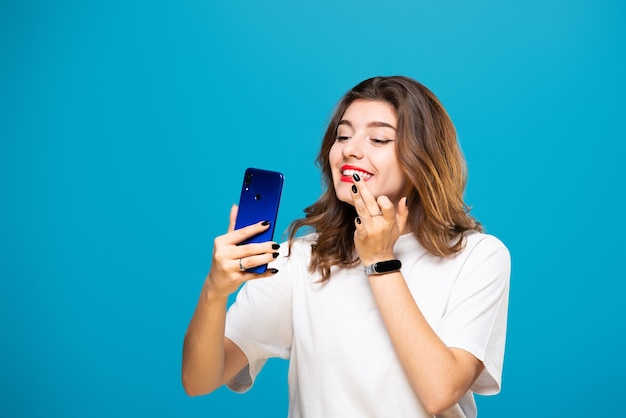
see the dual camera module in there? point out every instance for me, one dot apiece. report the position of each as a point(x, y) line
point(247, 182)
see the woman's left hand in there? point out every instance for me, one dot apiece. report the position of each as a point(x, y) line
point(378, 225)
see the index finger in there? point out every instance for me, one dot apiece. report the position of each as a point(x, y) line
point(364, 201)
point(236, 236)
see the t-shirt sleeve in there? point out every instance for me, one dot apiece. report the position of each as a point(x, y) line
point(476, 316)
point(260, 323)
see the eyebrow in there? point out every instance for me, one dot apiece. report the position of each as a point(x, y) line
point(373, 124)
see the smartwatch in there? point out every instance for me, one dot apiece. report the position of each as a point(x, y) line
point(383, 267)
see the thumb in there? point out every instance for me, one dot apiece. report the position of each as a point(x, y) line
point(233, 217)
point(402, 214)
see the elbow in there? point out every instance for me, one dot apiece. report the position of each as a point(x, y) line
point(193, 388)
point(436, 407)
point(439, 402)
point(192, 391)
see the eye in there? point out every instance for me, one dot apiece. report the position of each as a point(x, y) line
point(380, 141)
point(341, 138)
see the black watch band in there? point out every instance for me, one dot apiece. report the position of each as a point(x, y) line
point(382, 267)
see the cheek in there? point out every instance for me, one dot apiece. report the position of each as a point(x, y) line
point(334, 156)
point(395, 175)
point(402, 181)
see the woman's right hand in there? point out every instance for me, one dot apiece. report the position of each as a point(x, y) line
point(226, 276)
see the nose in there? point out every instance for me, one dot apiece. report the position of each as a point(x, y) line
point(353, 148)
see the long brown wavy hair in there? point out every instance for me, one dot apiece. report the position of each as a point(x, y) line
point(431, 159)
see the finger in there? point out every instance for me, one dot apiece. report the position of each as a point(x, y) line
point(246, 276)
point(254, 261)
point(360, 231)
point(387, 208)
point(248, 250)
point(402, 215)
point(234, 209)
point(364, 201)
point(268, 273)
point(359, 204)
point(239, 235)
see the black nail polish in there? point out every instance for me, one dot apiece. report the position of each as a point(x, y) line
point(354, 190)
point(275, 246)
point(265, 223)
point(358, 220)
point(356, 177)
point(273, 271)
point(274, 255)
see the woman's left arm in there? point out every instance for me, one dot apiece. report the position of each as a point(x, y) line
point(439, 375)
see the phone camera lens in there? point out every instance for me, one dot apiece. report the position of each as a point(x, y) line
point(248, 179)
point(257, 197)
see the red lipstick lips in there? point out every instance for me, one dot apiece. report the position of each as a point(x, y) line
point(348, 170)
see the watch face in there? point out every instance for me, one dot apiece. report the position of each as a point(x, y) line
point(386, 266)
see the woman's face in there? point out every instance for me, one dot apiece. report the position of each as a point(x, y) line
point(365, 145)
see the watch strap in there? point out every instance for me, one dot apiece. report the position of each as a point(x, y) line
point(382, 267)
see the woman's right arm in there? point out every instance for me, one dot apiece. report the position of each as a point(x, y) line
point(210, 359)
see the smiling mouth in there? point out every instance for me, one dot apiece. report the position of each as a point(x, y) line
point(347, 172)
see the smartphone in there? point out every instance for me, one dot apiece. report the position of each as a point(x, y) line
point(259, 201)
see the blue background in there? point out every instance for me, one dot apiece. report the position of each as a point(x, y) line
point(125, 128)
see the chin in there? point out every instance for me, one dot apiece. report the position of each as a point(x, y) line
point(344, 195)
point(344, 199)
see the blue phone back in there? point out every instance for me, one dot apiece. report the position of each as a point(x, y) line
point(259, 201)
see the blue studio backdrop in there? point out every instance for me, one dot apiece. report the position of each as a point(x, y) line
point(125, 128)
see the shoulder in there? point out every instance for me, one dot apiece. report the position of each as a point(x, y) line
point(302, 245)
point(486, 254)
point(483, 243)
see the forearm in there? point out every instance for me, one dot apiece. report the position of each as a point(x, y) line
point(439, 376)
point(203, 349)
point(209, 359)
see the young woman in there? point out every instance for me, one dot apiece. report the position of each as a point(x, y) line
point(394, 305)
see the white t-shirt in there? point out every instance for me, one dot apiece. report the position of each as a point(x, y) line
point(342, 362)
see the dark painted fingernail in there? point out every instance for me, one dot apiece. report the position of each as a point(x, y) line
point(275, 246)
point(358, 220)
point(274, 255)
point(354, 190)
point(356, 177)
point(265, 223)
point(273, 271)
